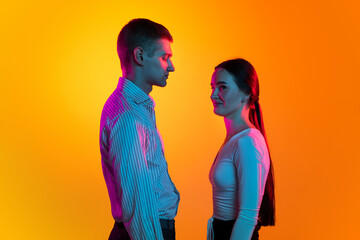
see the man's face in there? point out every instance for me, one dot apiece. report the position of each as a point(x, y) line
point(158, 65)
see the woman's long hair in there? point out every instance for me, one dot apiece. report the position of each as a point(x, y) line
point(247, 81)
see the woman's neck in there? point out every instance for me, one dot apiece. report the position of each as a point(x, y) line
point(234, 126)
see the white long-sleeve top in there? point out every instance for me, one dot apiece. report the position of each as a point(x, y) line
point(238, 176)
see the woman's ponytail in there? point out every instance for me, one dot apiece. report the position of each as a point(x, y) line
point(267, 209)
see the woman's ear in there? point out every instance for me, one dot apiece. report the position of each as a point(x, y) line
point(245, 98)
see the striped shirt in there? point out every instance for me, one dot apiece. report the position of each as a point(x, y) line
point(134, 167)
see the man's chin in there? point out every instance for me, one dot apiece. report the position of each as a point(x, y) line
point(161, 84)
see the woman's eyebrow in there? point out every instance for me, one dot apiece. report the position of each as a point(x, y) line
point(221, 82)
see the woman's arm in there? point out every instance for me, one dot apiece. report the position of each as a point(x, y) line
point(251, 184)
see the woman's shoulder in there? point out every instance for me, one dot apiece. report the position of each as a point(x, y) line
point(250, 136)
point(250, 142)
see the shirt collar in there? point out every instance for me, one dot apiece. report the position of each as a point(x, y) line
point(134, 92)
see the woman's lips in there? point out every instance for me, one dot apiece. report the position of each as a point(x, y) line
point(215, 104)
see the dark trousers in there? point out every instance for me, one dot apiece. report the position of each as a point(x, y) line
point(167, 226)
point(223, 229)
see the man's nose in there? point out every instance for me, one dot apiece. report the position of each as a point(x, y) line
point(171, 67)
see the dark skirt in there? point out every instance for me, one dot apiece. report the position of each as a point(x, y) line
point(223, 229)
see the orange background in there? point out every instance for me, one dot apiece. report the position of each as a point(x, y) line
point(59, 65)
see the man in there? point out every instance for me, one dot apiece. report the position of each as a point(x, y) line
point(144, 200)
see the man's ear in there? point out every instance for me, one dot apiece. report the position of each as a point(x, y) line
point(138, 55)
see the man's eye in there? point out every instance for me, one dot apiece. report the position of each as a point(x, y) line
point(165, 58)
point(222, 87)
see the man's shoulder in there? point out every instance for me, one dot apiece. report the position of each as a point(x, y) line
point(116, 105)
point(120, 109)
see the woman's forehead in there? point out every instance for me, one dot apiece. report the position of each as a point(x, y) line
point(221, 76)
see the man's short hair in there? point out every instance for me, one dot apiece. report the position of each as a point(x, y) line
point(142, 33)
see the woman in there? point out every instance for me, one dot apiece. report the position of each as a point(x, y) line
point(242, 172)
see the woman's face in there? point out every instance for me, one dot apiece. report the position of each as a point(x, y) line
point(226, 97)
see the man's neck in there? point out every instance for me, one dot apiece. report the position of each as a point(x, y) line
point(139, 81)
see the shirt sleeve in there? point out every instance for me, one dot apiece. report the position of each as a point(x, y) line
point(250, 189)
point(133, 181)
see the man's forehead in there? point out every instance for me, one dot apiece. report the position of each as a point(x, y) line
point(163, 45)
